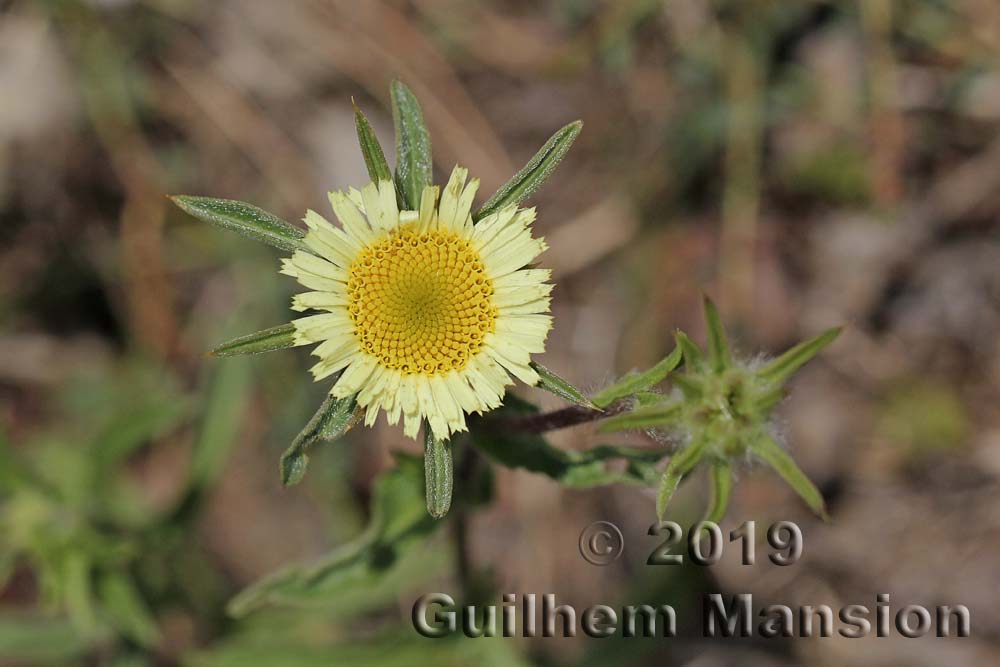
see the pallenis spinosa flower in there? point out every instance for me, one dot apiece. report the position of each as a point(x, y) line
point(422, 306)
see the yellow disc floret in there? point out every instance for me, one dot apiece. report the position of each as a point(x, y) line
point(420, 302)
point(423, 315)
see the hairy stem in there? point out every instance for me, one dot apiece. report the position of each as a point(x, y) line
point(563, 418)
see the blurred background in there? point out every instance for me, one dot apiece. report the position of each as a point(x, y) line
point(805, 163)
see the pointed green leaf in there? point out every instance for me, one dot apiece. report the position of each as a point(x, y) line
point(77, 589)
point(692, 355)
point(527, 181)
point(439, 476)
point(680, 464)
point(335, 417)
point(414, 166)
point(244, 219)
point(766, 401)
point(650, 416)
point(552, 383)
point(722, 486)
point(362, 568)
point(34, 638)
point(371, 149)
point(780, 369)
point(718, 349)
point(692, 387)
point(645, 398)
point(514, 448)
point(775, 456)
point(638, 382)
point(275, 338)
point(129, 612)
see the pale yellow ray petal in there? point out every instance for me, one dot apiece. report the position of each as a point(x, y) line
point(354, 376)
point(516, 296)
point(354, 195)
point(314, 328)
point(428, 208)
point(458, 385)
point(517, 255)
point(523, 278)
point(463, 209)
point(319, 300)
point(487, 228)
point(351, 218)
point(519, 369)
point(411, 425)
point(514, 228)
point(335, 358)
point(448, 207)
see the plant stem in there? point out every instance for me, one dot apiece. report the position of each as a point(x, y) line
point(563, 418)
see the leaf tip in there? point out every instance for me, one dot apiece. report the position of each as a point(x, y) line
point(293, 468)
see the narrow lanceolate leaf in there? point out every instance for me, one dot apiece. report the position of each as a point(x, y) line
point(650, 416)
point(371, 149)
point(766, 401)
point(335, 417)
point(775, 456)
point(722, 486)
point(275, 338)
point(362, 568)
point(127, 609)
point(245, 219)
point(413, 146)
point(527, 181)
point(638, 382)
point(551, 382)
point(692, 387)
point(680, 464)
point(439, 478)
point(718, 349)
point(692, 355)
point(780, 369)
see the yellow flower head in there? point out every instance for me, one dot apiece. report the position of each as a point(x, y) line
point(427, 315)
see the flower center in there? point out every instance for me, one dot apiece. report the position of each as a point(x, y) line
point(420, 302)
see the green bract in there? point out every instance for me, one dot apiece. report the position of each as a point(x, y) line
point(721, 413)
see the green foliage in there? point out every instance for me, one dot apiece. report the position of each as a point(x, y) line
point(244, 219)
point(516, 448)
point(335, 417)
point(554, 384)
point(680, 464)
point(371, 149)
point(531, 177)
point(395, 648)
point(439, 474)
point(636, 383)
point(721, 413)
point(771, 453)
point(722, 486)
point(414, 164)
point(399, 523)
point(266, 340)
point(783, 367)
point(70, 513)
